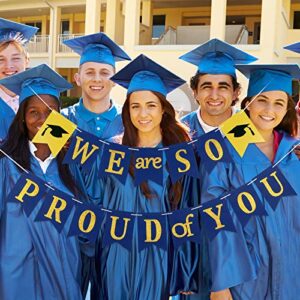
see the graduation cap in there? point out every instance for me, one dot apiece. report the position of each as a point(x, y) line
point(55, 130)
point(240, 130)
point(12, 31)
point(38, 80)
point(293, 47)
point(269, 77)
point(143, 74)
point(97, 47)
point(217, 57)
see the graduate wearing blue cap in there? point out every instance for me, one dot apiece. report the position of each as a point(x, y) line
point(273, 240)
point(149, 121)
point(214, 85)
point(216, 90)
point(95, 112)
point(36, 261)
point(13, 59)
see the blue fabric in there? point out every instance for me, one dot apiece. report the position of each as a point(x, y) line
point(263, 264)
point(202, 269)
point(6, 117)
point(152, 273)
point(144, 74)
point(192, 122)
point(38, 80)
point(36, 262)
point(97, 47)
point(217, 57)
point(104, 125)
point(13, 31)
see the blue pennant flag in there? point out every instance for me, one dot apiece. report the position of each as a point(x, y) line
point(215, 217)
point(273, 186)
point(83, 150)
point(246, 203)
point(86, 221)
point(184, 226)
point(56, 208)
point(119, 229)
point(148, 165)
point(115, 160)
point(181, 161)
point(212, 149)
point(152, 230)
point(27, 191)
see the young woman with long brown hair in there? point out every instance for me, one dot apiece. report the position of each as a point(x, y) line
point(149, 121)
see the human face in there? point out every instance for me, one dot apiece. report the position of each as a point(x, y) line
point(12, 61)
point(93, 78)
point(215, 94)
point(267, 110)
point(36, 112)
point(146, 112)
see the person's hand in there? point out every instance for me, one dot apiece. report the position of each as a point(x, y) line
point(221, 295)
point(186, 293)
point(297, 151)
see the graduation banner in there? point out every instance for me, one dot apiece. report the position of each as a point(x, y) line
point(212, 149)
point(240, 132)
point(273, 186)
point(86, 221)
point(29, 190)
point(148, 165)
point(152, 230)
point(83, 150)
point(55, 132)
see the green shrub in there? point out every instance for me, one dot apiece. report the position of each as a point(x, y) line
point(67, 101)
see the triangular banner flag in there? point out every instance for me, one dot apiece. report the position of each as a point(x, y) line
point(55, 132)
point(240, 131)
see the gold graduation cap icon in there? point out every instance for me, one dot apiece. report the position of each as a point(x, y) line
point(55, 130)
point(240, 130)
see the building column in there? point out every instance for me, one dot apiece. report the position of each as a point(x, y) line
point(132, 23)
point(147, 13)
point(92, 16)
point(269, 28)
point(54, 31)
point(218, 19)
point(114, 22)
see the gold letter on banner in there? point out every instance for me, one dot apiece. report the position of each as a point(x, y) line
point(83, 150)
point(218, 147)
point(217, 218)
point(183, 161)
point(269, 188)
point(243, 206)
point(57, 210)
point(149, 238)
point(25, 190)
point(114, 225)
point(82, 219)
point(185, 226)
point(113, 161)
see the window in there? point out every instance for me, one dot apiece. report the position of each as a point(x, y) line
point(36, 24)
point(65, 27)
point(159, 23)
point(296, 20)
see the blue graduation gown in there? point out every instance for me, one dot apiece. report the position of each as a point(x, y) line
point(191, 120)
point(270, 242)
point(36, 262)
point(152, 273)
point(6, 117)
point(104, 125)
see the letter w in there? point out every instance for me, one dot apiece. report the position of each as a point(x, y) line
point(84, 150)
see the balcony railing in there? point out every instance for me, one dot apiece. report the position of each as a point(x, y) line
point(38, 44)
point(61, 48)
